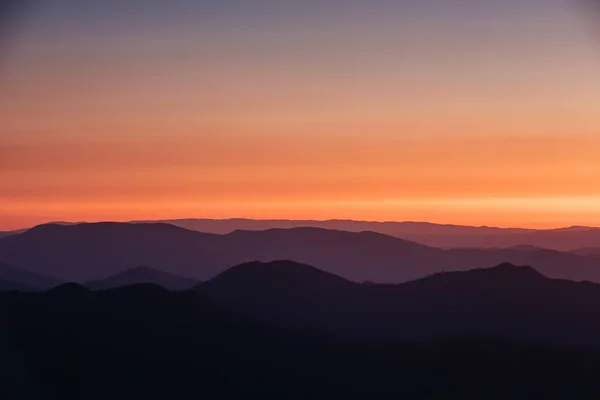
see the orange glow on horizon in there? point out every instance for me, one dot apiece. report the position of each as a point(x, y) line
point(502, 181)
point(541, 213)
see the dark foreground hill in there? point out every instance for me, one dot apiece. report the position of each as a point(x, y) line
point(88, 252)
point(505, 301)
point(143, 341)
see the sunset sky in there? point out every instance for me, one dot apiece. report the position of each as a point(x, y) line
point(452, 111)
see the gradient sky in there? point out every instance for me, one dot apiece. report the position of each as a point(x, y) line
point(453, 111)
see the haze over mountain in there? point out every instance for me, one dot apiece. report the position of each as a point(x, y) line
point(431, 234)
point(89, 252)
point(587, 251)
point(435, 235)
point(143, 275)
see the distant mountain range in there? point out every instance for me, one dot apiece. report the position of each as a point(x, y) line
point(435, 235)
point(90, 252)
point(430, 234)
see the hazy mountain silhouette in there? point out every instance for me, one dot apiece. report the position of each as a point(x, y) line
point(402, 229)
point(355, 256)
point(505, 301)
point(87, 252)
point(587, 251)
point(435, 235)
point(147, 275)
point(27, 280)
point(477, 334)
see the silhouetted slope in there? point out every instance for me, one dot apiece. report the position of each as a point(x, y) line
point(282, 292)
point(284, 276)
point(139, 275)
point(136, 341)
point(28, 280)
point(143, 341)
point(505, 301)
point(551, 263)
point(502, 275)
point(89, 252)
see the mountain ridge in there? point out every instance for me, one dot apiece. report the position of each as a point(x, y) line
point(428, 233)
point(437, 235)
point(510, 301)
point(89, 252)
point(143, 341)
point(26, 278)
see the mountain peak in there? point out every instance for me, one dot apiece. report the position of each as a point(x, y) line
point(508, 268)
point(68, 290)
point(286, 269)
point(278, 275)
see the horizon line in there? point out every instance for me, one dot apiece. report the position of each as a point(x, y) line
point(168, 220)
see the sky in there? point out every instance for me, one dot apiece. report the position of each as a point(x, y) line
point(452, 111)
